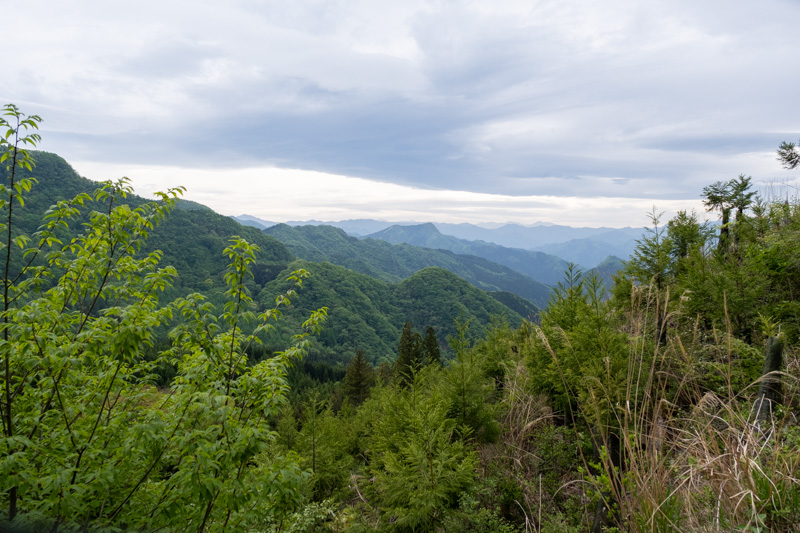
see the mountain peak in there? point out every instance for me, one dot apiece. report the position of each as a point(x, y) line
point(426, 235)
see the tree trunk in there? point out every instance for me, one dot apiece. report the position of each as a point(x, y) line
point(770, 390)
point(606, 513)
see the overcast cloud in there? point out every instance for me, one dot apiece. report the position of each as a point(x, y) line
point(439, 110)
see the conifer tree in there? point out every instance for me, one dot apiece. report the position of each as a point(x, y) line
point(789, 155)
point(651, 260)
point(718, 196)
point(686, 235)
point(409, 355)
point(419, 466)
point(431, 347)
point(358, 379)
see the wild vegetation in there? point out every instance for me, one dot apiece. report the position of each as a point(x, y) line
point(667, 404)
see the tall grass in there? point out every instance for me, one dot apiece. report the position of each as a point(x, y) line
point(695, 460)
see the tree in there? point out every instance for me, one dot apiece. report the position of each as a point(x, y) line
point(409, 355)
point(580, 359)
point(789, 155)
point(430, 345)
point(358, 379)
point(20, 159)
point(652, 261)
point(468, 391)
point(727, 196)
point(420, 466)
point(687, 237)
point(741, 195)
point(87, 441)
point(717, 196)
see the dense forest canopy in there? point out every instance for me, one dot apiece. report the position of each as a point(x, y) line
point(668, 403)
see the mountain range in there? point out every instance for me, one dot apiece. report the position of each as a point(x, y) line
point(366, 310)
point(586, 247)
point(371, 284)
point(396, 262)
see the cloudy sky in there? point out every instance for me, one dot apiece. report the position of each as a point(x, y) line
point(571, 111)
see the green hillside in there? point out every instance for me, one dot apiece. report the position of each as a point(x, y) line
point(368, 314)
point(394, 262)
point(191, 238)
point(367, 309)
point(608, 268)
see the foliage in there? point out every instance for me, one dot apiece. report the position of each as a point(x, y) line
point(469, 391)
point(647, 402)
point(367, 314)
point(652, 260)
point(430, 347)
point(788, 155)
point(86, 440)
point(325, 443)
point(419, 467)
point(358, 379)
point(410, 357)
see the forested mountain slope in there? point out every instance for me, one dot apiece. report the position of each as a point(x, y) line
point(368, 314)
point(394, 262)
point(191, 238)
point(542, 267)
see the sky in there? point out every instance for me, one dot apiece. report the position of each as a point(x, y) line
point(572, 112)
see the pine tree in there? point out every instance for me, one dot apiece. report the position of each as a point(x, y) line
point(409, 355)
point(430, 347)
point(358, 379)
point(419, 466)
point(789, 155)
point(718, 196)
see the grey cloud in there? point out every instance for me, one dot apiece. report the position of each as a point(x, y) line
point(720, 144)
point(650, 103)
point(168, 57)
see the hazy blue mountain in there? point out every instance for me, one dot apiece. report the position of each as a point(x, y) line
point(360, 227)
point(587, 252)
point(536, 236)
point(544, 268)
point(395, 262)
point(356, 227)
point(255, 222)
point(561, 241)
point(622, 238)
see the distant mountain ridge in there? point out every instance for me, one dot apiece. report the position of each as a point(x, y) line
point(582, 245)
point(395, 262)
point(585, 252)
point(537, 236)
point(544, 268)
